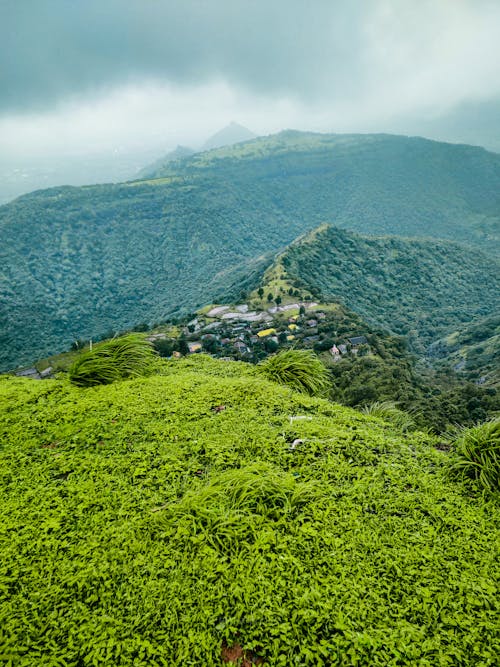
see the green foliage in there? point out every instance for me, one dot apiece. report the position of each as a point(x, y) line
point(478, 453)
point(110, 256)
point(138, 526)
point(115, 359)
point(300, 369)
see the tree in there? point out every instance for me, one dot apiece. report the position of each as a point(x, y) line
point(278, 300)
point(260, 292)
point(270, 297)
point(183, 346)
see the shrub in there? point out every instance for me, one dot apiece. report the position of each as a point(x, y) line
point(129, 356)
point(478, 453)
point(299, 369)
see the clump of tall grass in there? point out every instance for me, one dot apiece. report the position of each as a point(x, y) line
point(389, 411)
point(231, 509)
point(301, 370)
point(128, 356)
point(477, 451)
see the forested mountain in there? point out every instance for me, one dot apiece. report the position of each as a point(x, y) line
point(414, 287)
point(76, 262)
point(379, 183)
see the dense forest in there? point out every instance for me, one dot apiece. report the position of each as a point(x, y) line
point(77, 262)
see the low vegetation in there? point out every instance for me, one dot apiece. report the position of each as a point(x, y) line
point(204, 511)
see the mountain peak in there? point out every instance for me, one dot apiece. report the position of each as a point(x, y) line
point(229, 135)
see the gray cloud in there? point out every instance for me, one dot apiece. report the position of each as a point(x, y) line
point(320, 51)
point(54, 48)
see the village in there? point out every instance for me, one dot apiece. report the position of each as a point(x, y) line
point(237, 332)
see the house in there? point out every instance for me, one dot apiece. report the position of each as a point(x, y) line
point(194, 347)
point(357, 340)
point(321, 316)
point(312, 323)
point(241, 347)
point(334, 351)
point(309, 340)
point(343, 349)
point(292, 327)
point(29, 373)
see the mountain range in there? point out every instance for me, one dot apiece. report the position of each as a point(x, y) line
point(78, 262)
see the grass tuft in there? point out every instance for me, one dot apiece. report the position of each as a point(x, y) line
point(478, 453)
point(125, 357)
point(389, 411)
point(301, 370)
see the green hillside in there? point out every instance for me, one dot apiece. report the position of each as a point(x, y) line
point(174, 520)
point(473, 351)
point(77, 262)
point(417, 288)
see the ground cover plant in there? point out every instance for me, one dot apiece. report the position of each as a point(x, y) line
point(127, 356)
point(204, 512)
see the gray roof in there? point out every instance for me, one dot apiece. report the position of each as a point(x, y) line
point(357, 340)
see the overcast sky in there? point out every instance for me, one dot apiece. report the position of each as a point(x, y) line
point(94, 76)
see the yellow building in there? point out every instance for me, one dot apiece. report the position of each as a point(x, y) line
point(266, 332)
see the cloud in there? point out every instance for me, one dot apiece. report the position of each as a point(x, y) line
point(88, 76)
point(321, 51)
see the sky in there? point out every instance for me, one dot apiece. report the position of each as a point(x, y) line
point(107, 78)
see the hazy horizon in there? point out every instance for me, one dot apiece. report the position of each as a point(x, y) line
point(94, 91)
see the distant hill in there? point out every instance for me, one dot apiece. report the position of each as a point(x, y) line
point(381, 184)
point(178, 153)
point(229, 135)
point(78, 262)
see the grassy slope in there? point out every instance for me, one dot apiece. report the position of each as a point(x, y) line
point(140, 527)
point(413, 287)
point(75, 262)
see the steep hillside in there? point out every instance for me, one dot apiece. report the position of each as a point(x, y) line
point(418, 288)
point(76, 262)
point(176, 520)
